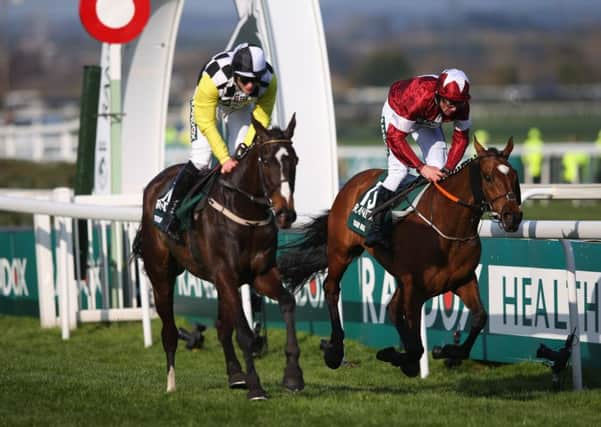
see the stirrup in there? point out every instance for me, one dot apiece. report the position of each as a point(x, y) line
point(378, 238)
point(372, 239)
point(170, 227)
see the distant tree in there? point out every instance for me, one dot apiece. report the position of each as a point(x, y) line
point(572, 66)
point(505, 75)
point(381, 68)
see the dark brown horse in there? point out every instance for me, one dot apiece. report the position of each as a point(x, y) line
point(232, 241)
point(435, 249)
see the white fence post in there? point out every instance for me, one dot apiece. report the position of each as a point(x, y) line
point(144, 302)
point(67, 290)
point(246, 304)
point(574, 313)
point(45, 271)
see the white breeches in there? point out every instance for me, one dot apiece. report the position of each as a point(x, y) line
point(431, 143)
point(234, 125)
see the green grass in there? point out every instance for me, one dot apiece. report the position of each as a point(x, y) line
point(104, 376)
point(32, 175)
point(545, 210)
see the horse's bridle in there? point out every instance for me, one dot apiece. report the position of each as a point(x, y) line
point(259, 200)
point(480, 208)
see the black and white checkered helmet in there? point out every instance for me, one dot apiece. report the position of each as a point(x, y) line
point(249, 61)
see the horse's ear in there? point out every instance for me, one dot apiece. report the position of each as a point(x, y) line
point(259, 128)
point(290, 128)
point(479, 149)
point(508, 148)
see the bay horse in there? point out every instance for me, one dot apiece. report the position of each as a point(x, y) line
point(435, 249)
point(232, 241)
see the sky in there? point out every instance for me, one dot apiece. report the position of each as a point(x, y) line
point(558, 11)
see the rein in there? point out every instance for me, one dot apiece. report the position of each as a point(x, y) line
point(454, 198)
point(485, 205)
point(259, 200)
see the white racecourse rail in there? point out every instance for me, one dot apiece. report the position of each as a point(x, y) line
point(119, 214)
point(111, 209)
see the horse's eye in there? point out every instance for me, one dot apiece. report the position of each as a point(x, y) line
point(488, 178)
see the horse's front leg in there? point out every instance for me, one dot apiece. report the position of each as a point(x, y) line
point(235, 376)
point(470, 295)
point(270, 285)
point(233, 315)
point(405, 313)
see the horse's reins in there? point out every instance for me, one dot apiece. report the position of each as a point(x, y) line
point(260, 200)
point(454, 199)
point(394, 199)
point(486, 205)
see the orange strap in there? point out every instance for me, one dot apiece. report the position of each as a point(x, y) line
point(445, 192)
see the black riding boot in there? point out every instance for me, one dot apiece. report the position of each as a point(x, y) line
point(164, 213)
point(376, 234)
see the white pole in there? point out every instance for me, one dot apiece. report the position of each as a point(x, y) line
point(246, 304)
point(45, 269)
point(105, 266)
point(118, 252)
point(424, 367)
point(70, 269)
point(146, 327)
point(574, 313)
point(61, 267)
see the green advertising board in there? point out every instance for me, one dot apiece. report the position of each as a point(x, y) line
point(522, 284)
point(18, 274)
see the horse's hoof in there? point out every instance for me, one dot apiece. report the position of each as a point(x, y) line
point(257, 394)
point(390, 355)
point(294, 384)
point(438, 352)
point(411, 369)
point(452, 363)
point(237, 381)
point(293, 380)
point(332, 355)
point(449, 351)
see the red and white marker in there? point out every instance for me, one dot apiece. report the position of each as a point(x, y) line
point(114, 21)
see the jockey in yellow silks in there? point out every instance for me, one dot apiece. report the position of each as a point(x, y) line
point(231, 86)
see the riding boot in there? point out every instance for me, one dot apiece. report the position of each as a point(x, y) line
point(377, 234)
point(164, 213)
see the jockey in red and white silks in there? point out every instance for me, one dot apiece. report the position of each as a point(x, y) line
point(418, 107)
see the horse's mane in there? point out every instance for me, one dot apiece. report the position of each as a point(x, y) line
point(461, 166)
point(493, 151)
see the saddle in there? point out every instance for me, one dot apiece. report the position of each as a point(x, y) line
point(196, 198)
point(404, 200)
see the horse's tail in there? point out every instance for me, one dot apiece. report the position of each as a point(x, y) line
point(136, 247)
point(300, 259)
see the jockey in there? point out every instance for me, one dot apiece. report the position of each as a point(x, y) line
point(418, 107)
point(231, 86)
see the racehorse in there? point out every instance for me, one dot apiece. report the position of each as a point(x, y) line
point(231, 241)
point(435, 249)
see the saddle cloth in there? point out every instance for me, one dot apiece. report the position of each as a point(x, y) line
point(195, 200)
point(360, 220)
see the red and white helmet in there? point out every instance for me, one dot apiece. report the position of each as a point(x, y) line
point(453, 84)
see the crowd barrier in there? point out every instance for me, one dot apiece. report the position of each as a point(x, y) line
point(111, 291)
